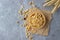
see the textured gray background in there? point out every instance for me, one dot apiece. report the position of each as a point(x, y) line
point(10, 30)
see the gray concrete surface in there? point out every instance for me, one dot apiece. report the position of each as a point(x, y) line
point(10, 30)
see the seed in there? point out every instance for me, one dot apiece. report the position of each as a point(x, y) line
point(24, 18)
